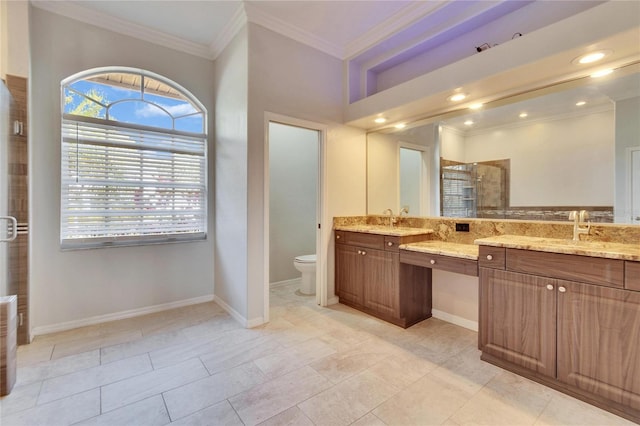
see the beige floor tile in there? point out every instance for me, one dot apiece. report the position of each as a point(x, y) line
point(273, 397)
point(429, 401)
point(34, 353)
point(292, 358)
point(69, 384)
point(85, 344)
point(141, 346)
point(140, 387)
point(347, 401)
point(368, 419)
point(148, 412)
point(342, 365)
point(467, 371)
point(226, 357)
point(206, 392)
point(402, 370)
point(565, 410)
point(507, 399)
point(211, 329)
point(291, 417)
point(58, 367)
point(58, 413)
point(227, 341)
point(21, 398)
point(221, 414)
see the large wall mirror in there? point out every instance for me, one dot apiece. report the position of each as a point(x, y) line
point(534, 156)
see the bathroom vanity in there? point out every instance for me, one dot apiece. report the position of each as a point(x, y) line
point(566, 314)
point(370, 278)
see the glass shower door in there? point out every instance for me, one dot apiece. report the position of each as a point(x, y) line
point(8, 224)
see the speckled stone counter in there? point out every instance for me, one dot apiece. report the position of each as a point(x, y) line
point(443, 248)
point(384, 230)
point(607, 250)
point(444, 228)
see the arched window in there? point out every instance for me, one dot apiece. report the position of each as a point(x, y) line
point(134, 160)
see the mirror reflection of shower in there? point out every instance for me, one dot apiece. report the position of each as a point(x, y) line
point(474, 189)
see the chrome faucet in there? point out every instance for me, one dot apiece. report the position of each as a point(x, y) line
point(404, 210)
point(392, 219)
point(578, 223)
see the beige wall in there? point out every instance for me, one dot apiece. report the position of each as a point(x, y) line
point(14, 38)
point(70, 287)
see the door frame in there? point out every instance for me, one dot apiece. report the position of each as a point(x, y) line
point(321, 211)
point(425, 155)
point(629, 183)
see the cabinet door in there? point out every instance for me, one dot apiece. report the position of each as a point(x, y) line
point(518, 319)
point(381, 282)
point(349, 273)
point(599, 341)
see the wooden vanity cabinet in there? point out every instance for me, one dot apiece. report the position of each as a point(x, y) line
point(581, 338)
point(368, 277)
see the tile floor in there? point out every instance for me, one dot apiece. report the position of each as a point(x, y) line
point(335, 366)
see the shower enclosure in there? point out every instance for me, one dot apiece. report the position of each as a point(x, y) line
point(474, 189)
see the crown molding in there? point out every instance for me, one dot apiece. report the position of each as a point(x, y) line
point(234, 25)
point(121, 26)
point(398, 21)
point(279, 26)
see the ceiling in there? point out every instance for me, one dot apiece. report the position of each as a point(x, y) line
point(205, 27)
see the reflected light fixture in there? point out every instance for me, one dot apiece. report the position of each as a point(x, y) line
point(523, 115)
point(468, 122)
point(580, 103)
point(457, 97)
point(601, 73)
point(380, 120)
point(475, 106)
point(400, 126)
point(591, 57)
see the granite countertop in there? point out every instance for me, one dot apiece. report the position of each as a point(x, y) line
point(607, 250)
point(396, 231)
point(443, 248)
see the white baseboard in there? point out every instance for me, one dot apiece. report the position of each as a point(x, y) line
point(237, 316)
point(454, 319)
point(285, 282)
point(69, 325)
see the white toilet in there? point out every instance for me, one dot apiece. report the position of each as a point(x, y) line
point(307, 266)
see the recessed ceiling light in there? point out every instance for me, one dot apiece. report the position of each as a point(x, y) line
point(380, 120)
point(457, 97)
point(591, 57)
point(523, 115)
point(475, 106)
point(581, 103)
point(400, 126)
point(468, 122)
point(602, 73)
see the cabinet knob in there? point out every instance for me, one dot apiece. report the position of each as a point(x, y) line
point(562, 289)
point(359, 251)
point(389, 243)
point(337, 237)
point(549, 287)
point(432, 261)
point(489, 257)
point(364, 252)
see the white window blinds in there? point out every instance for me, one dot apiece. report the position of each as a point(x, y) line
point(123, 183)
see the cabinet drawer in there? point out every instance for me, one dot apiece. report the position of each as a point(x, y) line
point(391, 243)
point(632, 275)
point(592, 270)
point(435, 261)
point(491, 257)
point(361, 239)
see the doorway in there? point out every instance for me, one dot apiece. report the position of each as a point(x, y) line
point(634, 185)
point(293, 209)
point(413, 179)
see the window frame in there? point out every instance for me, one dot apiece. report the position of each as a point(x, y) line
point(169, 234)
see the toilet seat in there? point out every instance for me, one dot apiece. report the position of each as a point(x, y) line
point(307, 258)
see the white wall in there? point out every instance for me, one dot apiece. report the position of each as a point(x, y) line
point(411, 180)
point(14, 38)
point(627, 130)
point(292, 79)
point(293, 195)
point(231, 79)
point(455, 298)
point(452, 145)
point(73, 286)
point(556, 162)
